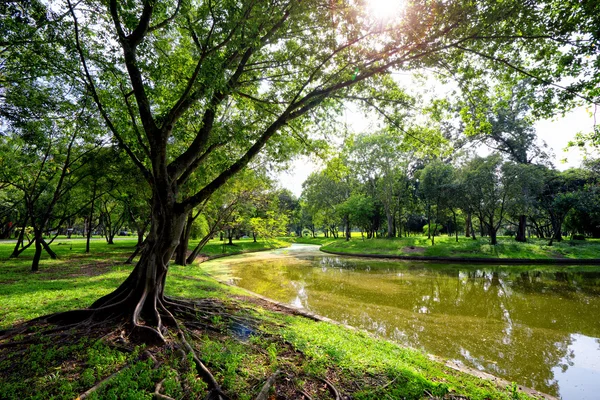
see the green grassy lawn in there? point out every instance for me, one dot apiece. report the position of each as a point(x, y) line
point(25, 295)
point(216, 247)
point(448, 247)
point(241, 355)
point(318, 240)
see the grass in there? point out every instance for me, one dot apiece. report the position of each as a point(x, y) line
point(25, 295)
point(215, 247)
point(242, 357)
point(466, 247)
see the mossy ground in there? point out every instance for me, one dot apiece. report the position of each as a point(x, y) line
point(242, 348)
point(446, 246)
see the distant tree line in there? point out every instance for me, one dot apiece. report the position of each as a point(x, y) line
point(387, 192)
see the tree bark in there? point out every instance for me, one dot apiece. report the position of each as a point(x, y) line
point(493, 240)
point(181, 251)
point(428, 222)
point(17, 251)
point(137, 250)
point(141, 296)
point(50, 252)
point(455, 226)
point(347, 218)
point(521, 229)
point(90, 219)
point(390, 224)
point(35, 264)
point(199, 247)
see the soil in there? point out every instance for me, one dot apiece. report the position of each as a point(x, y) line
point(413, 250)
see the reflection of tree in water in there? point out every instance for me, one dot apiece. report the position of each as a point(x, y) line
point(506, 321)
point(508, 334)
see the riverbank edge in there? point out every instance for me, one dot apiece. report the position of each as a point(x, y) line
point(501, 383)
point(520, 261)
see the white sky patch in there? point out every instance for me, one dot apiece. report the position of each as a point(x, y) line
point(384, 9)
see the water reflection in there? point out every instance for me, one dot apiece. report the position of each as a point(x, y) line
point(535, 325)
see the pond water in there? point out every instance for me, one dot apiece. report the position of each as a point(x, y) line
point(538, 326)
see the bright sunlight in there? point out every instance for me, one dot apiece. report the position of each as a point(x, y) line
point(385, 9)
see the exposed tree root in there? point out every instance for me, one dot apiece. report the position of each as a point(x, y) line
point(97, 386)
point(167, 320)
point(264, 392)
point(158, 395)
point(332, 388)
point(303, 393)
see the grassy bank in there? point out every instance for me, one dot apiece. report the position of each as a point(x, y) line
point(466, 247)
point(243, 346)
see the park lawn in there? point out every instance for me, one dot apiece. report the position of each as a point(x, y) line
point(25, 295)
point(466, 247)
point(308, 353)
point(216, 247)
point(317, 240)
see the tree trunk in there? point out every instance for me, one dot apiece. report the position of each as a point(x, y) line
point(428, 222)
point(493, 240)
point(140, 298)
point(468, 225)
point(35, 265)
point(521, 229)
point(50, 252)
point(455, 226)
point(558, 232)
point(16, 251)
point(199, 247)
point(137, 250)
point(181, 251)
point(347, 218)
point(140, 237)
point(90, 219)
point(492, 231)
point(390, 224)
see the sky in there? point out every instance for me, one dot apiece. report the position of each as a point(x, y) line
point(556, 132)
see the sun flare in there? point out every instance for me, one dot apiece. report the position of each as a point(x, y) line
point(384, 9)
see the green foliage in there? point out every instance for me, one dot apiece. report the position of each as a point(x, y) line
point(435, 229)
point(200, 227)
point(466, 247)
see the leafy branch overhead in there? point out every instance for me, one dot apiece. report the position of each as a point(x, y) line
point(193, 81)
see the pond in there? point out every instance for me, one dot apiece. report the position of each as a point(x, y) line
point(535, 325)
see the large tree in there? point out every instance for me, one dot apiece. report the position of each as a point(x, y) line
point(186, 85)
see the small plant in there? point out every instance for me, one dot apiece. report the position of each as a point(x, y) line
point(272, 352)
point(513, 391)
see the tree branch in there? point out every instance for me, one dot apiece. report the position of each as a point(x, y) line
point(92, 87)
